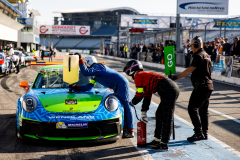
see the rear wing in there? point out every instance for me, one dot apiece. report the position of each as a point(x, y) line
point(50, 63)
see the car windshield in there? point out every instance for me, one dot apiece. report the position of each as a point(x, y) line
point(16, 53)
point(31, 54)
point(53, 78)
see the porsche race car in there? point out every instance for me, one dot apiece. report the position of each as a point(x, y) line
point(49, 113)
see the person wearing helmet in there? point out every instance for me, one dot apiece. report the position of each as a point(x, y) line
point(111, 79)
point(148, 83)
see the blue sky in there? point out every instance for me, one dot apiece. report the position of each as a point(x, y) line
point(151, 7)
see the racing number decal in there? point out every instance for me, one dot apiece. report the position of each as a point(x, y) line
point(50, 73)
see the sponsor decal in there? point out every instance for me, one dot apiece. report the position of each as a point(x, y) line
point(145, 21)
point(43, 29)
point(72, 117)
point(66, 125)
point(228, 24)
point(83, 30)
point(191, 6)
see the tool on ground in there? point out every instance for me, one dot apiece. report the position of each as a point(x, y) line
point(173, 117)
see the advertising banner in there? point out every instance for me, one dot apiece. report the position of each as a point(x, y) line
point(143, 21)
point(169, 59)
point(228, 24)
point(26, 21)
point(209, 7)
point(65, 29)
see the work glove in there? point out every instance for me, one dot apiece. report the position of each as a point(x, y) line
point(172, 77)
point(144, 117)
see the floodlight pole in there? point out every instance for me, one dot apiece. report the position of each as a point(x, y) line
point(178, 33)
point(118, 41)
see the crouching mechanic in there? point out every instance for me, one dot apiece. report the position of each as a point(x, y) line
point(111, 79)
point(148, 83)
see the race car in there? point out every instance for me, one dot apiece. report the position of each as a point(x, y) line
point(30, 57)
point(49, 113)
point(5, 63)
point(20, 57)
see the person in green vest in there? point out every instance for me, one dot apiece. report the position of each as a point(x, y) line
point(125, 50)
point(33, 51)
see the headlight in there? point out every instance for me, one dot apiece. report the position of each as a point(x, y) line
point(30, 104)
point(111, 103)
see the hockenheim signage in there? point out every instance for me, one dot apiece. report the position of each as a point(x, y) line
point(210, 7)
point(65, 29)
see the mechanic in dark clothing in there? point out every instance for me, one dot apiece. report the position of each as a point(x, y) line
point(148, 83)
point(203, 87)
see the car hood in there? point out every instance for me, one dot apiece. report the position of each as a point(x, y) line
point(59, 100)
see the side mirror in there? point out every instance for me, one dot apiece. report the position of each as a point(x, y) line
point(24, 84)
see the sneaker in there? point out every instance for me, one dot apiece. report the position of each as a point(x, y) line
point(153, 143)
point(160, 147)
point(127, 134)
point(196, 137)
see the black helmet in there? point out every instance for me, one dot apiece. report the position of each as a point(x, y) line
point(132, 67)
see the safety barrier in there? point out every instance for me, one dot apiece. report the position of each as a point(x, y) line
point(45, 63)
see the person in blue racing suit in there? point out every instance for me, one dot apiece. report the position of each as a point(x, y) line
point(111, 79)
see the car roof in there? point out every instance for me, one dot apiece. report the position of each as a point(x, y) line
point(51, 67)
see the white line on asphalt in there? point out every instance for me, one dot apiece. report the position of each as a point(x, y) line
point(224, 115)
point(224, 145)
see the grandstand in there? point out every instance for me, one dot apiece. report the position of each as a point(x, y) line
point(102, 22)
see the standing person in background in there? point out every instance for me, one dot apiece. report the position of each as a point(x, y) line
point(43, 51)
point(226, 47)
point(50, 54)
point(1, 49)
point(121, 50)
point(214, 52)
point(161, 52)
point(216, 41)
point(220, 48)
point(33, 51)
point(54, 51)
point(209, 49)
point(236, 47)
point(125, 50)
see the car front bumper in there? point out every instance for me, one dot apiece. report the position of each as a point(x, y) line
point(106, 130)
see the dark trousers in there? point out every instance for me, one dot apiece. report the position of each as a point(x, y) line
point(50, 57)
point(198, 109)
point(168, 92)
point(42, 55)
point(17, 66)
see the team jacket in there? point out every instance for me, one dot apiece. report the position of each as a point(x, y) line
point(146, 82)
point(102, 74)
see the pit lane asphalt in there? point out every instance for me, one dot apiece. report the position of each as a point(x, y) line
point(225, 99)
point(11, 148)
